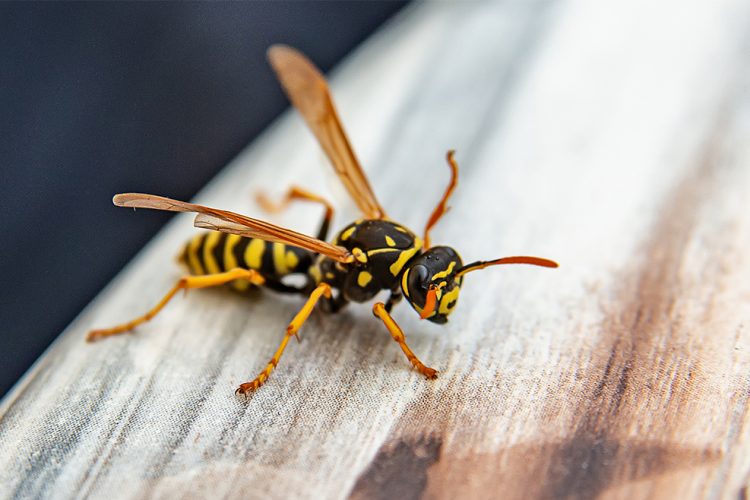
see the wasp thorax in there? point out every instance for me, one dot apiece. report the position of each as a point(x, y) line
point(430, 284)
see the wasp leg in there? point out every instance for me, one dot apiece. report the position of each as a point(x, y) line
point(394, 299)
point(335, 303)
point(297, 193)
point(185, 283)
point(322, 289)
point(379, 310)
point(442, 206)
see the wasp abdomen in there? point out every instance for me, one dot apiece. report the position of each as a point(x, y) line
point(215, 252)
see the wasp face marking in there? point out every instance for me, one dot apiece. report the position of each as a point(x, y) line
point(433, 272)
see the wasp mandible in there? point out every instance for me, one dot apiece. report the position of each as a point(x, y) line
point(366, 257)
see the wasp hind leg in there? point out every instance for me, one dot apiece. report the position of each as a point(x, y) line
point(379, 310)
point(298, 193)
point(185, 283)
point(299, 319)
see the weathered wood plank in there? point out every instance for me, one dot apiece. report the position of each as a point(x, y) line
point(612, 138)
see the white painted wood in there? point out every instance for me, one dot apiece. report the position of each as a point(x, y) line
point(610, 136)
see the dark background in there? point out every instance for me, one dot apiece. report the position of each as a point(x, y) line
point(103, 98)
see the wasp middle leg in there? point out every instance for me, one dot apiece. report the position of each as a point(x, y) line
point(185, 283)
point(323, 289)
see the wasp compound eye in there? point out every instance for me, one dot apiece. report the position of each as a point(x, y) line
point(418, 281)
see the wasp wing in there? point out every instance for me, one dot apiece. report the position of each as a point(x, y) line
point(271, 232)
point(307, 89)
point(230, 222)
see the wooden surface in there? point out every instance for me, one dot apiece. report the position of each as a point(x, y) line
point(612, 138)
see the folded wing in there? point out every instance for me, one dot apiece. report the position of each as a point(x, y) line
point(231, 222)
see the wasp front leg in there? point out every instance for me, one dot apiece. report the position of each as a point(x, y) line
point(186, 283)
point(380, 311)
point(321, 290)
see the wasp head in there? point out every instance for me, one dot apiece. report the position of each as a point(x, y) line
point(431, 285)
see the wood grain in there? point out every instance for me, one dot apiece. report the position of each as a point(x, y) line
point(612, 138)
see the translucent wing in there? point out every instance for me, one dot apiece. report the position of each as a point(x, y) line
point(230, 222)
point(307, 89)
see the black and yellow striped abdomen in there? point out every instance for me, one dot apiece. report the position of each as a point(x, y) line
point(214, 252)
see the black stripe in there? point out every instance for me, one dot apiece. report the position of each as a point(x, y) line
point(267, 267)
point(199, 254)
point(218, 251)
point(239, 251)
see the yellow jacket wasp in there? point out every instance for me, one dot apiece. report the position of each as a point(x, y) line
point(364, 258)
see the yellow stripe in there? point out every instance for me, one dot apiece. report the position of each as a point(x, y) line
point(443, 274)
point(382, 250)
point(397, 266)
point(212, 267)
point(447, 299)
point(291, 259)
point(230, 262)
point(194, 262)
point(254, 254)
point(279, 258)
point(405, 283)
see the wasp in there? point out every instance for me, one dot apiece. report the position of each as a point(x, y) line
point(370, 255)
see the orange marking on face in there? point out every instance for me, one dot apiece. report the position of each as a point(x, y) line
point(429, 305)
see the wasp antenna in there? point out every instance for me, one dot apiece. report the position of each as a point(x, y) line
point(481, 264)
point(442, 207)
